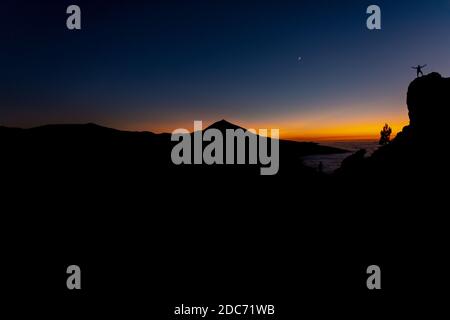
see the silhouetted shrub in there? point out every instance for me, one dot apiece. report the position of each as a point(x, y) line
point(385, 135)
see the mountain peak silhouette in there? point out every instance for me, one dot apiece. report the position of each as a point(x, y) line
point(223, 125)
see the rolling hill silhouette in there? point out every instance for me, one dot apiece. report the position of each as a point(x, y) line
point(99, 151)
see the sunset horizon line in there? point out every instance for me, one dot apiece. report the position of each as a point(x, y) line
point(327, 134)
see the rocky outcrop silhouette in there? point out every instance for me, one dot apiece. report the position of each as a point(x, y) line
point(428, 103)
point(418, 149)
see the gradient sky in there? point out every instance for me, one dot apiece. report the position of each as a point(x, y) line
point(159, 65)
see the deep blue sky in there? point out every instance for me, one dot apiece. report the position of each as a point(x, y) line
point(156, 65)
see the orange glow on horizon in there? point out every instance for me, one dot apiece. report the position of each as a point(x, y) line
point(346, 125)
point(344, 131)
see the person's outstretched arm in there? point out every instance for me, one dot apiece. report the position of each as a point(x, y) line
point(424, 66)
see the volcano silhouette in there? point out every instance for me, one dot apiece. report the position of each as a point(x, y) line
point(223, 125)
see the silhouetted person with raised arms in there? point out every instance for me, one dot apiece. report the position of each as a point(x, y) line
point(419, 69)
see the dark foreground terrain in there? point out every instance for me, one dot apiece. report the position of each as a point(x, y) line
point(149, 235)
